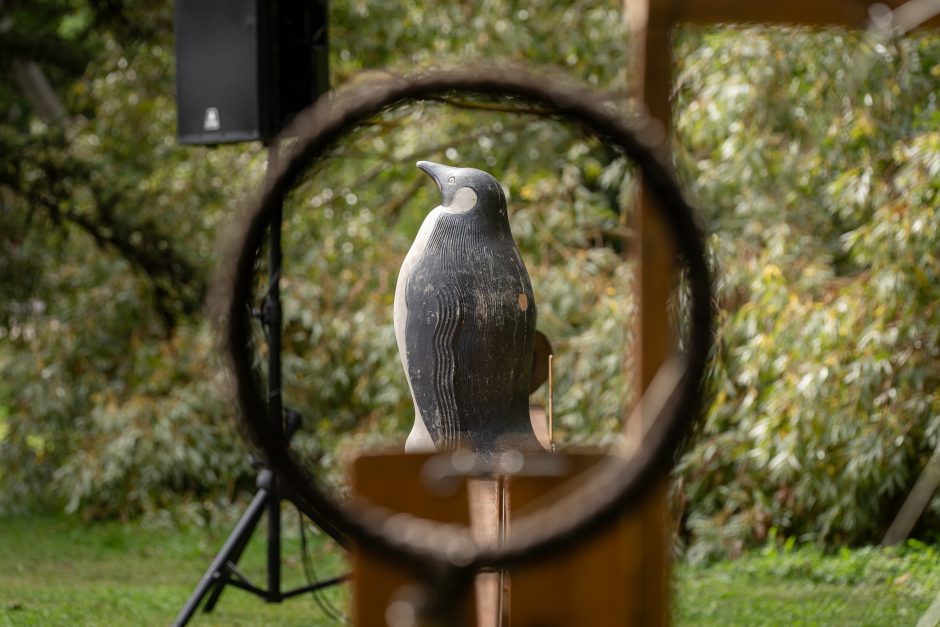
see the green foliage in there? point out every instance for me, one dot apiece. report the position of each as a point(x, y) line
point(914, 564)
point(107, 238)
point(817, 156)
point(110, 391)
point(814, 155)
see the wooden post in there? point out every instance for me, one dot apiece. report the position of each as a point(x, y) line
point(652, 83)
point(915, 503)
point(650, 24)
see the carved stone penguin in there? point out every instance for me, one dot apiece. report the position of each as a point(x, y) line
point(465, 322)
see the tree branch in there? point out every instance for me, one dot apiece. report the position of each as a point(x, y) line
point(39, 91)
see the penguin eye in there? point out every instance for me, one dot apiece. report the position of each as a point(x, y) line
point(452, 180)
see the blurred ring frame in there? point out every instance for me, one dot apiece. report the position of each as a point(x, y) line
point(640, 140)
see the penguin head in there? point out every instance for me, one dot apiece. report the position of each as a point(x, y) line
point(464, 189)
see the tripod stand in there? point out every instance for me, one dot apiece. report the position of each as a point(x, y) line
point(223, 570)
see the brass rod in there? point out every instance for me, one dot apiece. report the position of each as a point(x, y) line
point(551, 394)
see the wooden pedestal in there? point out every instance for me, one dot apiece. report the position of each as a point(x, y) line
point(616, 579)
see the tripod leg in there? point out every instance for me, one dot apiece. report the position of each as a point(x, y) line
point(274, 544)
point(223, 576)
point(216, 592)
point(235, 542)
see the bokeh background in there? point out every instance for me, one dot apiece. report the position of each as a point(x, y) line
point(813, 155)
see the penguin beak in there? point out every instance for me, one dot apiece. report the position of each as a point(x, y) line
point(443, 175)
point(436, 171)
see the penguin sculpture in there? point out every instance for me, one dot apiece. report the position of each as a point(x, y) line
point(465, 322)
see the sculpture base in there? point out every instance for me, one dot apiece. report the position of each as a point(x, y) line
point(614, 579)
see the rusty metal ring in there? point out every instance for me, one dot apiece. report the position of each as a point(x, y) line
point(607, 491)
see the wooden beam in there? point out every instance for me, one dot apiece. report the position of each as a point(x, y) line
point(650, 544)
point(849, 13)
point(915, 503)
point(652, 84)
point(650, 23)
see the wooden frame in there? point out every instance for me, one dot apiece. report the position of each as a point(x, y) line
point(848, 13)
point(627, 568)
point(650, 23)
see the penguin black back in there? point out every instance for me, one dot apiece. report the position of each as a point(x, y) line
point(465, 321)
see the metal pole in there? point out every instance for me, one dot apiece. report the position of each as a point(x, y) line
point(274, 545)
point(275, 403)
point(272, 305)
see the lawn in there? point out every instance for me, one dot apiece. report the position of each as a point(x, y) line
point(57, 571)
point(62, 572)
point(867, 586)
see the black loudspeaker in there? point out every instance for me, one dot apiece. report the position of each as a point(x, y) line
point(244, 68)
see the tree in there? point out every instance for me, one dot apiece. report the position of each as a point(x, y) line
point(813, 155)
point(111, 395)
point(106, 246)
point(817, 156)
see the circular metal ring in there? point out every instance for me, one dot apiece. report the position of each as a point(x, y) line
point(607, 491)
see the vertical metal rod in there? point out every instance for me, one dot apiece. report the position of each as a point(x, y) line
point(275, 403)
point(272, 305)
point(551, 396)
point(503, 525)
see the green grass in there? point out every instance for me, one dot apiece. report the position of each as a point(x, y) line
point(803, 586)
point(61, 572)
point(56, 571)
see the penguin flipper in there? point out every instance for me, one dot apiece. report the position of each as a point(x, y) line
point(449, 324)
point(431, 340)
